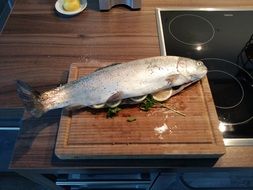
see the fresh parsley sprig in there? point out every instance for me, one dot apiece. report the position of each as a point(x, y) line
point(111, 112)
point(148, 103)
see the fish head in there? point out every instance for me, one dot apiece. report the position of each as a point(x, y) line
point(191, 69)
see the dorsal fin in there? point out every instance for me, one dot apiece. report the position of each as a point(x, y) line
point(107, 66)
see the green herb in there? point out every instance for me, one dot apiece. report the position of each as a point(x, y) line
point(148, 103)
point(111, 112)
point(131, 119)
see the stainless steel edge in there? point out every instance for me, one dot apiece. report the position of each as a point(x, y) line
point(9, 128)
point(238, 141)
point(86, 183)
point(108, 4)
point(160, 32)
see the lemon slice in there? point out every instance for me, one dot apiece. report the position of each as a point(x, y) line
point(97, 106)
point(138, 98)
point(113, 104)
point(162, 95)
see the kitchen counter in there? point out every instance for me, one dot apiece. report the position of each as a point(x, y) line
point(38, 46)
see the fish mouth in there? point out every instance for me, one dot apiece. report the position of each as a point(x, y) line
point(199, 75)
point(202, 71)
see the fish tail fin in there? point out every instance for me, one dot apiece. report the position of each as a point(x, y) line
point(30, 99)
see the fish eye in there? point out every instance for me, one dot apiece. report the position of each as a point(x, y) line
point(199, 63)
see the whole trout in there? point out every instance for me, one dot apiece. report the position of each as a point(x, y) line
point(115, 82)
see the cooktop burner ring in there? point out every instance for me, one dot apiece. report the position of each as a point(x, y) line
point(236, 123)
point(238, 82)
point(234, 71)
point(230, 62)
point(200, 19)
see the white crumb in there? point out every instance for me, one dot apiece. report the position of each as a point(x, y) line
point(161, 129)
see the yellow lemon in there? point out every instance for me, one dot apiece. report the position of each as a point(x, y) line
point(97, 106)
point(71, 5)
point(162, 95)
point(138, 98)
point(113, 104)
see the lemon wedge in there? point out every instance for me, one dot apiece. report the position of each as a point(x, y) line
point(71, 5)
point(162, 95)
point(113, 104)
point(97, 106)
point(138, 98)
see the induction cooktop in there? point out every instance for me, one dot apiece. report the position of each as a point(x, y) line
point(223, 40)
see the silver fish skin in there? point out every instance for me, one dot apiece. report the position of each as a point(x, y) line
point(116, 82)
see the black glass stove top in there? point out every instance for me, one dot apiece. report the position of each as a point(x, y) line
point(223, 40)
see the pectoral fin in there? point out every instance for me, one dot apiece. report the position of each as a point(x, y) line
point(180, 88)
point(173, 78)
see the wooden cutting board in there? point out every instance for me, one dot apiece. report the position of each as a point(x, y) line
point(156, 133)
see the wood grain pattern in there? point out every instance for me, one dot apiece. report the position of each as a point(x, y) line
point(87, 133)
point(30, 54)
point(25, 55)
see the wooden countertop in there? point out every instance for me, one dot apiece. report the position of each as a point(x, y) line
point(38, 46)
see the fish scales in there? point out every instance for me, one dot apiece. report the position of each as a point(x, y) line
point(122, 81)
point(132, 79)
